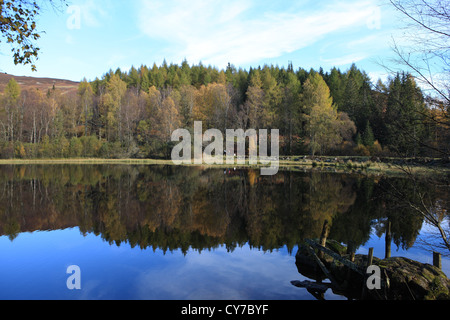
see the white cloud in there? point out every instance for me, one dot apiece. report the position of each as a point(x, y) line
point(241, 32)
point(340, 53)
point(218, 274)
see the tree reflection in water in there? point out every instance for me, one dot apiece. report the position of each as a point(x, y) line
point(171, 208)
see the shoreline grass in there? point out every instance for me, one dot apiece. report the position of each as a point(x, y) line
point(333, 164)
point(82, 161)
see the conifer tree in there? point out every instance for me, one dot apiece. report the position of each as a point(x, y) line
point(368, 138)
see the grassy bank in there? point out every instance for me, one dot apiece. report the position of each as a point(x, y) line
point(82, 161)
point(368, 167)
point(361, 165)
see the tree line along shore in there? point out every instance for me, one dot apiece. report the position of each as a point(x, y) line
point(132, 114)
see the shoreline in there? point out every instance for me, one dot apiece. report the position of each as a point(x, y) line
point(425, 167)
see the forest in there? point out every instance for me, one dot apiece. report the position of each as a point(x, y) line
point(132, 114)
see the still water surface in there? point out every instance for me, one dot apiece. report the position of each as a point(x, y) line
point(153, 232)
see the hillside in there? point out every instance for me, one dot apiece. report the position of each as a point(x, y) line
point(41, 83)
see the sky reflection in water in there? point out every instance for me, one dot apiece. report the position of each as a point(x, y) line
point(34, 267)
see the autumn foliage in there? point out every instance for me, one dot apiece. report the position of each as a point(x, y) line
point(133, 114)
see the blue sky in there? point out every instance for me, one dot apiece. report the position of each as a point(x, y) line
point(93, 36)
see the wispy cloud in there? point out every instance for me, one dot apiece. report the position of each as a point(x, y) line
point(240, 31)
point(345, 60)
point(93, 12)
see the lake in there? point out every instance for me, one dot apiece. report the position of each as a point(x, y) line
point(189, 233)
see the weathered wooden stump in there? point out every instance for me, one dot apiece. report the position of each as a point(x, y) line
point(402, 278)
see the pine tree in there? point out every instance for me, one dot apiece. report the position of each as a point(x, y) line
point(321, 120)
point(368, 138)
point(405, 116)
point(252, 112)
point(272, 97)
point(290, 110)
point(336, 84)
point(113, 100)
point(86, 94)
point(359, 140)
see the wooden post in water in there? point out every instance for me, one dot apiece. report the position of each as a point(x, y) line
point(369, 263)
point(437, 260)
point(370, 257)
point(388, 240)
point(324, 236)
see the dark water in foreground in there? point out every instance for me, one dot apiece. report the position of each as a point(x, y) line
point(153, 232)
